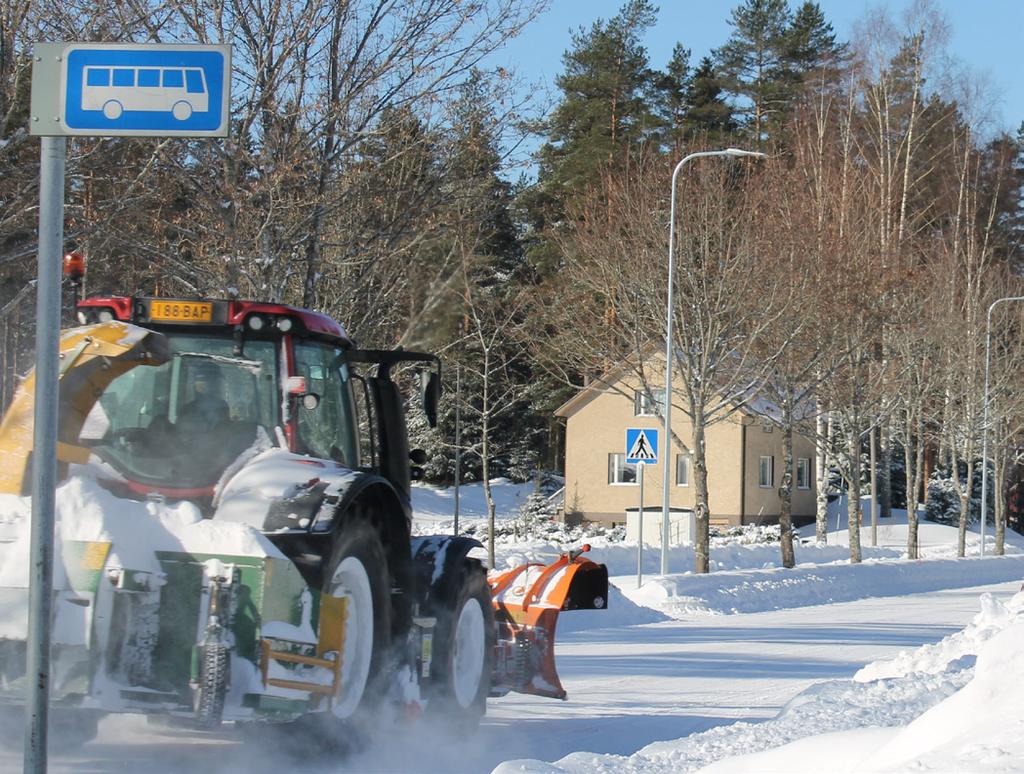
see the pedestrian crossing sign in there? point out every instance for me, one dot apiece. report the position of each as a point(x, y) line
point(641, 446)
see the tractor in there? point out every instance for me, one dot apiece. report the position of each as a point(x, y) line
point(234, 539)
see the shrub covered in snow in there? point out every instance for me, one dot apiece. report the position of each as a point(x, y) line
point(943, 503)
point(745, 535)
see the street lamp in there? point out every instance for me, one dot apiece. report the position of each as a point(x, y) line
point(667, 422)
point(984, 420)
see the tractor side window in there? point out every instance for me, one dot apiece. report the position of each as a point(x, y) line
point(365, 417)
point(328, 431)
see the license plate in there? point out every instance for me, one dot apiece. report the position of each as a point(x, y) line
point(181, 311)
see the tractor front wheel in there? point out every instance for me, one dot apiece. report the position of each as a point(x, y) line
point(358, 573)
point(214, 673)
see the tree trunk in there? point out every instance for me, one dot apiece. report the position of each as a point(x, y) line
point(884, 472)
point(486, 472)
point(701, 540)
point(823, 430)
point(786, 491)
point(485, 450)
point(314, 255)
point(920, 477)
point(999, 498)
point(853, 491)
point(961, 541)
point(908, 461)
point(873, 445)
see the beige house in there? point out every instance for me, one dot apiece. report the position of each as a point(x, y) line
point(744, 459)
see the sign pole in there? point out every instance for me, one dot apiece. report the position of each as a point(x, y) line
point(44, 453)
point(458, 447)
point(640, 532)
point(641, 450)
point(70, 96)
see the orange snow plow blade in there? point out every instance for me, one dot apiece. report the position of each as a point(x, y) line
point(91, 357)
point(527, 601)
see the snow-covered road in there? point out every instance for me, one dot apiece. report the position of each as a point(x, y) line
point(628, 686)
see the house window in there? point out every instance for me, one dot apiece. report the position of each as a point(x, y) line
point(682, 470)
point(619, 471)
point(765, 472)
point(647, 402)
point(803, 473)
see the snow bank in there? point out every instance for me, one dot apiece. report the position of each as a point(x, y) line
point(934, 539)
point(750, 578)
point(752, 591)
point(435, 504)
point(932, 710)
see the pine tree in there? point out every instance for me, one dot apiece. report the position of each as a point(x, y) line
point(809, 47)
point(752, 63)
point(673, 93)
point(607, 93)
point(479, 238)
point(708, 115)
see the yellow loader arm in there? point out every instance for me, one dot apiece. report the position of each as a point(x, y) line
point(91, 358)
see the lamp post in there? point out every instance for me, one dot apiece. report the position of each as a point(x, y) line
point(984, 420)
point(666, 416)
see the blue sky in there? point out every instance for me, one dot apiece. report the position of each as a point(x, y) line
point(986, 35)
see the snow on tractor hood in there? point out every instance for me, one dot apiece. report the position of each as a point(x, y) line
point(89, 515)
point(279, 491)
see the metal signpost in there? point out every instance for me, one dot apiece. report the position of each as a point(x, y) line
point(641, 450)
point(984, 421)
point(97, 90)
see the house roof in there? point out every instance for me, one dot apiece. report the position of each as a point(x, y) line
point(598, 386)
point(755, 405)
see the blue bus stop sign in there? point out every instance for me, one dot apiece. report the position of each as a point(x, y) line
point(106, 89)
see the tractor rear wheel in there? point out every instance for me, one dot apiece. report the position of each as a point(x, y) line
point(463, 651)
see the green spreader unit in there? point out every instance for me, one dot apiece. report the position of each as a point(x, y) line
point(205, 636)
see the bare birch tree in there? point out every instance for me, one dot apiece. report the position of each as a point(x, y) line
point(610, 311)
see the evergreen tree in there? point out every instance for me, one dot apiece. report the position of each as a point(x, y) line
point(753, 65)
point(809, 47)
point(1003, 180)
point(386, 248)
point(673, 93)
point(607, 93)
point(708, 115)
point(479, 239)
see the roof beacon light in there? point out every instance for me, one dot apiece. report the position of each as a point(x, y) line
point(74, 266)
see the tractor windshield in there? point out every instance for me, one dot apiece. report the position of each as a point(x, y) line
point(181, 424)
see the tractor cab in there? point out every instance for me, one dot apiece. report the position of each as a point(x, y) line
point(239, 375)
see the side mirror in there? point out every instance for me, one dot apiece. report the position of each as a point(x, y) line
point(418, 457)
point(431, 387)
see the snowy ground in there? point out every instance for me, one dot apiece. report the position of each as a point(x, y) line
point(826, 667)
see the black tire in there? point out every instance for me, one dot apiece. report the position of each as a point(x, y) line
point(463, 651)
point(358, 550)
point(68, 729)
point(214, 674)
